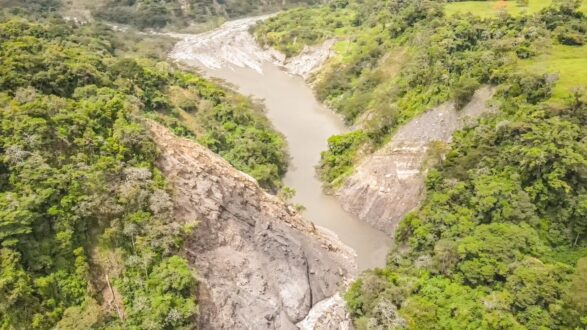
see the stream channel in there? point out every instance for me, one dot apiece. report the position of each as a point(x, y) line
point(230, 53)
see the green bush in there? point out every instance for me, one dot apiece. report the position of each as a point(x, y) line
point(463, 91)
point(338, 160)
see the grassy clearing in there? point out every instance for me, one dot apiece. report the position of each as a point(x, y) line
point(569, 62)
point(492, 8)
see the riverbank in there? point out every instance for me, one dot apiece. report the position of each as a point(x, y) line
point(230, 53)
point(260, 264)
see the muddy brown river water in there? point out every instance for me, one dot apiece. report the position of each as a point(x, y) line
point(229, 53)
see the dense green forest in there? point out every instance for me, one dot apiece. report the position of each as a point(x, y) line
point(155, 14)
point(501, 240)
point(158, 14)
point(87, 234)
point(394, 59)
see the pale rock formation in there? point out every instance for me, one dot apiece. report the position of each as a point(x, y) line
point(259, 263)
point(233, 45)
point(309, 61)
point(390, 183)
point(329, 314)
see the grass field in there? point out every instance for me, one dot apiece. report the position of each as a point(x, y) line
point(569, 62)
point(491, 8)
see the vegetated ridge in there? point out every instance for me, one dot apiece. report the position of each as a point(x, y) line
point(89, 233)
point(500, 239)
point(159, 14)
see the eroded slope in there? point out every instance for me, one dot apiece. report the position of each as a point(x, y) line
point(390, 183)
point(261, 265)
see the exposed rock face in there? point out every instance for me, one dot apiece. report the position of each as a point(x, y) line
point(260, 264)
point(329, 314)
point(390, 183)
point(308, 61)
point(233, 45)
point(229, 45)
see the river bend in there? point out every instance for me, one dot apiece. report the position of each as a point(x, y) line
point(231, 54)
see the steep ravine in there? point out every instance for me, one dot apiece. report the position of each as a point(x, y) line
point(279, 266)
point(231, 53)
point(260, 264)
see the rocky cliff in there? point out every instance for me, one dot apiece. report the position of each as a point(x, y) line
point(260, 264)
point(390, 183)
point(308, 62)
point(233, 45)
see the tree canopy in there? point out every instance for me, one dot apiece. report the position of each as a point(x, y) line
point(87, 232)
point(500, 241)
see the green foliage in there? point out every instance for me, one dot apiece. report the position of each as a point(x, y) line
point(30, 8)
point(86, 316)
point(230, 125)
point(158, 14)
point(237, 130)
point(291, 32)
point(463, 91)
point(500, 240)
point(567, 64)
point(496, 241)
point(164, 300)
point(71, 165)
point(493, 8)
point(77, 173)
point(396, 59)
point(578, 298)
point(87, 234)
point(338, 160)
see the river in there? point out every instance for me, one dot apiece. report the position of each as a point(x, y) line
point(231, 54)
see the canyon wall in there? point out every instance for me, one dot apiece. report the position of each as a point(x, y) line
point(259, 263)
point(390, 183)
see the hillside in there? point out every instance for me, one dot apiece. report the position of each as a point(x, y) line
point(178, 13)
point(137, 195)
point(395, 60)
point(499, 240)
point(261, 265)
point(88, 236)
point(494, 8)
point(155, 14)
